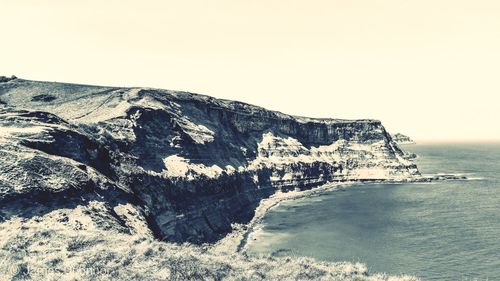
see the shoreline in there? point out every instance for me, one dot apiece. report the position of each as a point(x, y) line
point(267, 204)
point(236, 241)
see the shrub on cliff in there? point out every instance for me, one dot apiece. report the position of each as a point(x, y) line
point(7, 79)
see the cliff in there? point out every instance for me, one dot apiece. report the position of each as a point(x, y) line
point(174, 165)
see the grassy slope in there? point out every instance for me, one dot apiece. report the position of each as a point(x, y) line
point(41, 248)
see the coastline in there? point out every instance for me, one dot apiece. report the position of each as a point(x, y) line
point(236, 241)
point(267, 204)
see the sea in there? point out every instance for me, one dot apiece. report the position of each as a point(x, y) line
point(446, 230)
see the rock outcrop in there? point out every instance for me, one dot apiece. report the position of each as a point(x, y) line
point(175, 165)
point(402, 139)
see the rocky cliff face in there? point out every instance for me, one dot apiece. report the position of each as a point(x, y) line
point(176, 165)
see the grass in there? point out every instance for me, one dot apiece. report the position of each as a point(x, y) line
point(39, 253)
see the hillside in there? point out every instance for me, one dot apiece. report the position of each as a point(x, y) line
point(165, 165)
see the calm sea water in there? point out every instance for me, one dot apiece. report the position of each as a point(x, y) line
point(437, 231)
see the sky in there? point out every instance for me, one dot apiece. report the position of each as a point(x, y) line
point(426, 68)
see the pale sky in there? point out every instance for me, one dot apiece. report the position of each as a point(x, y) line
point(427, 68)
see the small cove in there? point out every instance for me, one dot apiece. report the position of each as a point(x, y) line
point(447, 230)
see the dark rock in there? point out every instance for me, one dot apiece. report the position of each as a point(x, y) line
point(43, 97)
point(402, 139)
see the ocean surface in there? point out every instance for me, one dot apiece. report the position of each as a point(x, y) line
point(447, 230)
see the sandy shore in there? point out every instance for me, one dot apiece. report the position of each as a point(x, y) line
point(237, 240)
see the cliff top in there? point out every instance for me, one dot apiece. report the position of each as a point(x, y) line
point(61, 98)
